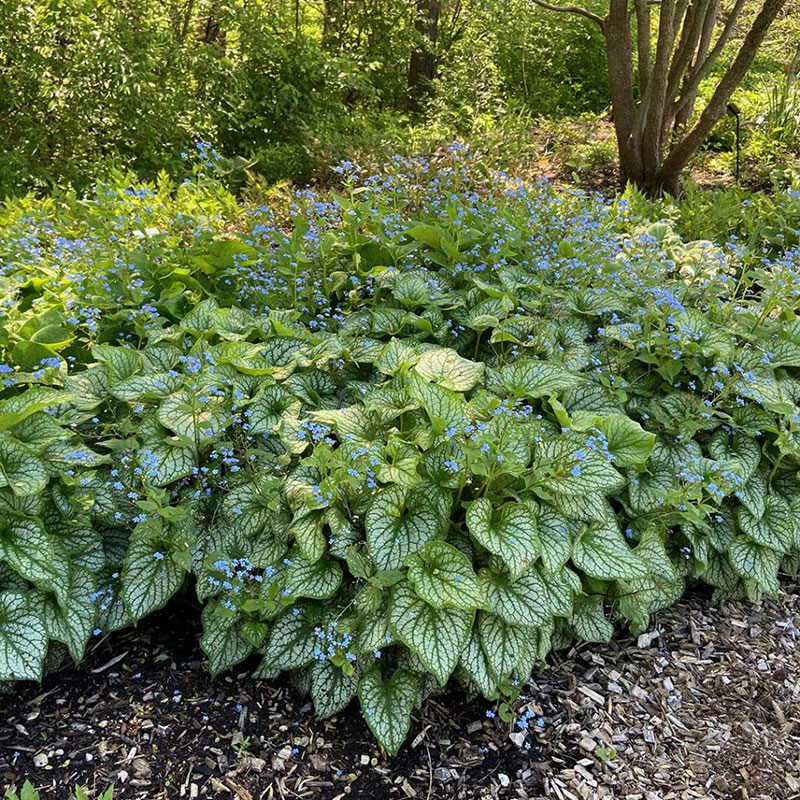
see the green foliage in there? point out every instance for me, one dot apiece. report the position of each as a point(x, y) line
point(421, 430)
point(28, 792)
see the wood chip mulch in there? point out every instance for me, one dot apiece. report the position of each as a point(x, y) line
point(706, 704)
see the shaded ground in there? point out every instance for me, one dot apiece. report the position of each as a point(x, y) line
point(705, 705)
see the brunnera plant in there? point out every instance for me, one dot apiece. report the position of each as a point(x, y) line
point(422, 431)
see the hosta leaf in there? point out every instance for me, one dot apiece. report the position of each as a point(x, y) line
point(387, 705)
point(23, 641)
point(519, 602)
point(446, 368)
point(534, 379)
point(437, 636)
point(508, 532)
point(21, 469)
point(602, 552)
point(400, 521)
point(442, 576)
point(222, 640)
point(331, 689)
point(147, 580)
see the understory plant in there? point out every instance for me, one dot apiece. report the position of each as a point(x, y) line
point(420, 430)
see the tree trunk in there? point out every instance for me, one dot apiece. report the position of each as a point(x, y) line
point(422, 63)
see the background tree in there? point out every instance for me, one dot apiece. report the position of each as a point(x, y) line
point(655, 135)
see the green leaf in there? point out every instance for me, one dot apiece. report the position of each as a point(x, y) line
point(146, 387)
point(774, 530)
point(222, 640)
point(318, 580)
point(401, 520)
point(446, 368)
point(533, 379)
point(589, 620)
point(147, 580)
point(291, 641)
point(21, 469)
point(123, 362)
point(72, 621)
point(602, 552)
point(753, 496)
point(265, 412)
point(444, 408)
point(436, 635)
point(502, 644)
point(508, 532)
point(627, 441)
point(28, 548)
point(442, 576)
point(740, 449)
point(559, 591)
point(755, 562)
point(192, 417)
point(647, 492)
point(15, 409)
point(519, 602)
point(387, 705)
point(23, 641)
point(307, 532)
point(555, 536)
point(579, 469)
point(37, 431)
point(475, 663)
point(331, 689)
point(167, 463)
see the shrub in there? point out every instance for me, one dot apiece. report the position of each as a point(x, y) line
point(426, 428)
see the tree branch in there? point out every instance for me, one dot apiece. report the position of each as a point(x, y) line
point(693, 26)
point(643, 43)
point(584, 12)
point(702, 69)
point(713, 112)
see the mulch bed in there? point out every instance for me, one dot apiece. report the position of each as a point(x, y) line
point(704, 705)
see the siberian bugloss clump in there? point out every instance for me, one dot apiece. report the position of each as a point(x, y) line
point(423, 430)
